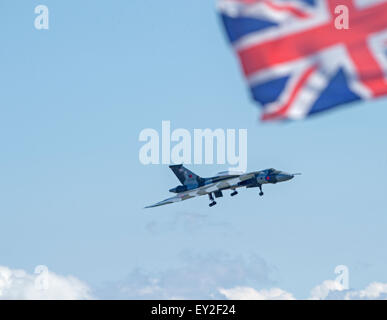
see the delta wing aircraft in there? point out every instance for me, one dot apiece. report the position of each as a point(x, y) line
point(193, 186)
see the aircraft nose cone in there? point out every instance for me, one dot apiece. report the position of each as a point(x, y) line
point(284, 177)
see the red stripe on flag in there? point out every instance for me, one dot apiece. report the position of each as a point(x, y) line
point(281, 113)
point(370, 73)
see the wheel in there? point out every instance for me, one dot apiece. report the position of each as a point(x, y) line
point(261, 194)
point(212, 204)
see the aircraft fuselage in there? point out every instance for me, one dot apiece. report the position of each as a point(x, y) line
point(268, 176)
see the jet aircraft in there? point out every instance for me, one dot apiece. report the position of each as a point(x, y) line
point(193, 186)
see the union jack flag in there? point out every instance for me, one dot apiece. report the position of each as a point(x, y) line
point(297, 58)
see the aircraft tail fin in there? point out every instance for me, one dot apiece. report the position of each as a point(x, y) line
point(185, 176)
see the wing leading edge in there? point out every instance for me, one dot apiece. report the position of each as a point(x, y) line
point(174, 199)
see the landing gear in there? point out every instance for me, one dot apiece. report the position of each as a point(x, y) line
point(212, 199)
point(260, 188)
point(234, 193)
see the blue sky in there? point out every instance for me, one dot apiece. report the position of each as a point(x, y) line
point(74, 99)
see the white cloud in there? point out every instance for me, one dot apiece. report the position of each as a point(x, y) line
point(327, 290)
point(330, 289)
point(18, 284)
point(375, 290)
point(199, 278)
point(245, 293)
point(323, 290)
